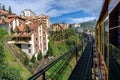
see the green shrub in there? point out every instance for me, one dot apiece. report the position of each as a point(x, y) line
point(50, 52)
point(39, 57)
point(9, 73)
point(26, 61)
point(33, 59)
point(45, 56)
point(2, 33)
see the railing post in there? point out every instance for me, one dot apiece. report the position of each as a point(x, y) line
point(44, 76)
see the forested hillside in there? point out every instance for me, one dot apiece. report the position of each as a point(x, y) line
point(89, 24)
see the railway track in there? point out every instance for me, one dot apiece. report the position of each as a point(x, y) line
point(82, 70)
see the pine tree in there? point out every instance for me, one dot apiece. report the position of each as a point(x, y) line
point(3, 7)
point(33, 59)
point(26, 61)
point(10, 10)
point(39, 56)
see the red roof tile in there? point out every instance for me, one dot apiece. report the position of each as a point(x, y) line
point(12, 16)
point(8, 20)
point(21, 28)
point(4, 12)
point(33, 26)
point(22, 34)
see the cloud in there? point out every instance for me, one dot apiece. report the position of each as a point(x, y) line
point(79, 20)
point(55, 8)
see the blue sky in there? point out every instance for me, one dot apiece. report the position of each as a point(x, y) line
point(69, 11)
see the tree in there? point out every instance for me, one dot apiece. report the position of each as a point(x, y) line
point(9, 73)
point(3, 7)
point(10, 10)
point(50, 52)
point(26, 61)
point(39, 57)
point(33, 59)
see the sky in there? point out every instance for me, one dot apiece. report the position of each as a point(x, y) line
point(68, 11)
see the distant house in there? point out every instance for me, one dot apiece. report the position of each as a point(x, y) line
point(59, 26)
point(4, 21)
point(27, 13)
point(75, 25)
point(10, 22)
point(44, 19)
point(29, 33)
point(31, 38)
point(3, 14)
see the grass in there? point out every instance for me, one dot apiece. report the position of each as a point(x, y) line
point(12, 61)
point(3, 33)
point(58, 49)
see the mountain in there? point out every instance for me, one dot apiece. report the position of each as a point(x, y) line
point(89, 24)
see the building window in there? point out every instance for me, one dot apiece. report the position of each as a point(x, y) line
point(28, 45)
point(44, 43)
point(43, 32)
point(44, 48)
point(36, 39)
point(29, 50)
point(44, 38)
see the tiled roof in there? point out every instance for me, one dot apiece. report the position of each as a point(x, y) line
point(21, 28)
point(62, 26)
point(8, 20)
point(12, 15)
point(43, 16)
point(33, 26)
point(22, 34)
point(2, 12)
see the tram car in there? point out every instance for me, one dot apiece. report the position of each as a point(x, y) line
point(108, 38)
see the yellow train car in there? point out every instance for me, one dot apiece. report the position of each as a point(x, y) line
point(107, 34)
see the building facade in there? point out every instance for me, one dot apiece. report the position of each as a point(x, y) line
point(30, 34)
point(27, 13)
point(44, 19)
point(59, 26)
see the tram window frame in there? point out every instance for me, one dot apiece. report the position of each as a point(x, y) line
point(106, 40)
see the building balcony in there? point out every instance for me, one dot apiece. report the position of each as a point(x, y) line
point(19, 42)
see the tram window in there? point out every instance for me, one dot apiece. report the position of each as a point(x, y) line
point(118, 39)
point(106, 38)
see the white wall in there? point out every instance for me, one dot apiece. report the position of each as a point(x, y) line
point(15, 23)
point(40, 37)
point(32, 45)
point(26, 48)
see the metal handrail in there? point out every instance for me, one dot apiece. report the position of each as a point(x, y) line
point(42, 72)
